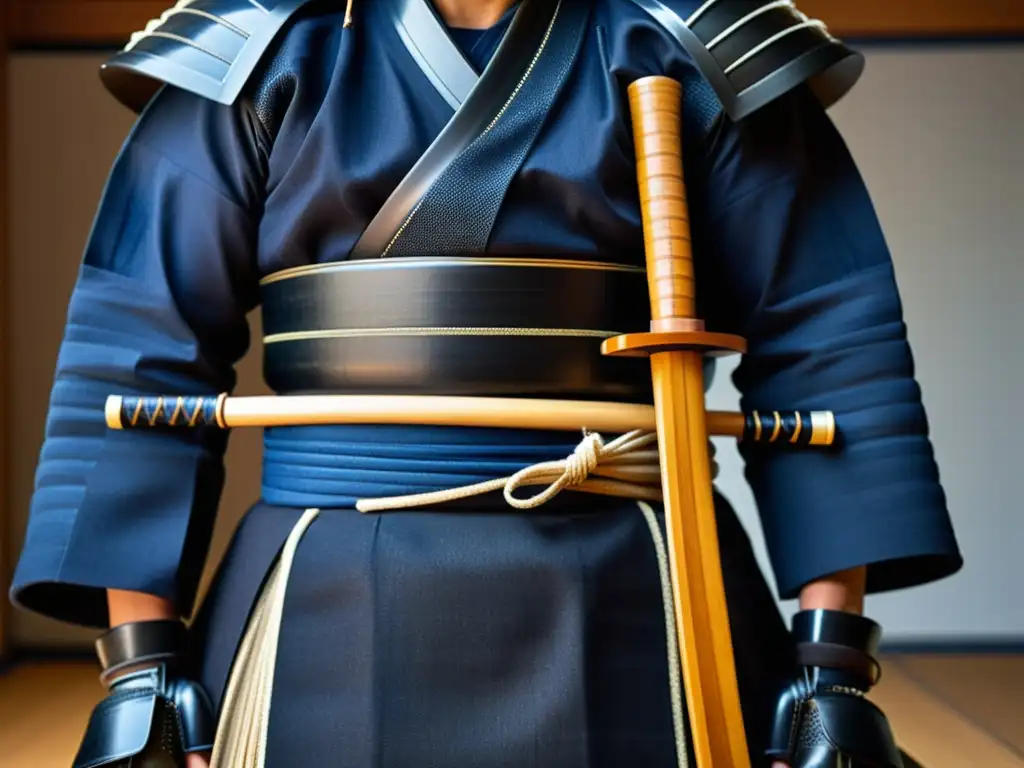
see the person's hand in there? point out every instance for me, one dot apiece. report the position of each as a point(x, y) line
point(198, 760)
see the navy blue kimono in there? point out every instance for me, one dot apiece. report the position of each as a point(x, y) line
point(479, 636)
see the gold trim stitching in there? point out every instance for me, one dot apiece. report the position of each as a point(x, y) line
point(340, 266)
point(344, 333)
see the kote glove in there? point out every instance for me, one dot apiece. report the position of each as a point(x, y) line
point(823, 719)
point(153, 715)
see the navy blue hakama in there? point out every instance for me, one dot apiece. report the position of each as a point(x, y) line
point(474, 634)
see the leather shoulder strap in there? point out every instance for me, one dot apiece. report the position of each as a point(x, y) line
point(754, 51)
point(207, 47)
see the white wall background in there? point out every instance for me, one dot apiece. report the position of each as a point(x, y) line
point(938, 135)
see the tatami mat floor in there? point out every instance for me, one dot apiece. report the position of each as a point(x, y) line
point(948, 711)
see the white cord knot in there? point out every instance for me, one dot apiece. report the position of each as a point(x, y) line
point(593, 457)
point(627, 467)
point(584, 459)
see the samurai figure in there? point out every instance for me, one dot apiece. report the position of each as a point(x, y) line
point(440, 198)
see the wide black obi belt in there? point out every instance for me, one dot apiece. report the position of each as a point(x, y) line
point(489, 327)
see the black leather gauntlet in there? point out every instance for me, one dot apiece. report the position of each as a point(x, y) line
point(153, 716)
point(823, 719)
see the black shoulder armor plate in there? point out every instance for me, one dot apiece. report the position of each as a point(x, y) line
point(754, 51)
point(208, 47)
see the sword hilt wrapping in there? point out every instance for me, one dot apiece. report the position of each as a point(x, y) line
point(656, 106)
point(124, 412)
point(796, 428)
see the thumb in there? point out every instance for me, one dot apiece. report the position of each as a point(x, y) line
point(779, 765)
point(198, 760)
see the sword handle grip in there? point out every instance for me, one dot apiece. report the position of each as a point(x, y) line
point(796, 428)
point(124, 412)
point(656, 109)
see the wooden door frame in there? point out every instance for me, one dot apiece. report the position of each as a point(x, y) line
point(110, 22)
point(5, 519)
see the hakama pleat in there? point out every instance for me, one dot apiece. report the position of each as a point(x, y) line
point(479, 637)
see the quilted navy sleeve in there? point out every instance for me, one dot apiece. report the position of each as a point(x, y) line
point(793, 258)
point(159, 307)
